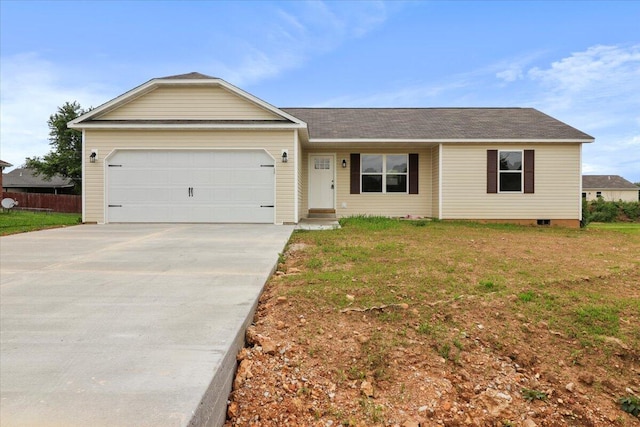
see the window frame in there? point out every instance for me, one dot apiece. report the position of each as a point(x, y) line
point(521, 172)
point(384, 173)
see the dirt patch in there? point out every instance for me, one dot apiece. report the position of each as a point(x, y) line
point(484, 359)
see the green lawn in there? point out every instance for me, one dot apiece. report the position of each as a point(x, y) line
point(14, 221)
point(625, 227)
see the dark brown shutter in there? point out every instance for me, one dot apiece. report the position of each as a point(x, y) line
point(413, 173)
point(492, 171)
point(529, 171)
point(355, 173)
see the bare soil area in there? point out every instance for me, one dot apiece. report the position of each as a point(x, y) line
point(497, 353)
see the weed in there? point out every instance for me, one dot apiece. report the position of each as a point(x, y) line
point(531, 395)
point(630, 405)
point(458, 344)
point(526, 296)
point(374, 412)
point(314, 264)
point(598, 319)
point(425, 328)
point(487, 285)
point(444, 351)
point(377, 355)
point(355, 373)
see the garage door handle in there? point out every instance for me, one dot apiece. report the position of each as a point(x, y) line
point(267, 206)
point(190, 192)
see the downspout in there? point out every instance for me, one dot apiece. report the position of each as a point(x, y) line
point(440, 181)
point(84, 187)
point(580, 192)
point(296, 190)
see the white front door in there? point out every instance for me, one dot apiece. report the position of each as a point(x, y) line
point(321, 181)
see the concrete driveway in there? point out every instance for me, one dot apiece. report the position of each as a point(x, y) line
point(127, 325)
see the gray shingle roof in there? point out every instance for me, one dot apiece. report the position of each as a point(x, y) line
point(434, 123)
point(25, 178)
point(606, 182)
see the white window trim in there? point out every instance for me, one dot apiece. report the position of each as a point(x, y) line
point(384, 173)
point(521, 172)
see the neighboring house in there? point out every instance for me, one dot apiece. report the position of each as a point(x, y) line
point(194, 148)
point(3, 165)
point(22, 180)
point(610, 187)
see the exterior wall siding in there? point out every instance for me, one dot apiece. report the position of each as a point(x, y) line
point(191, 102)
point(614, 195)
point(391, 205)
point(107, 141)
point(557, 184)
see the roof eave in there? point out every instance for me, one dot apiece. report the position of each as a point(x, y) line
point(447, 141)
point(190, 126)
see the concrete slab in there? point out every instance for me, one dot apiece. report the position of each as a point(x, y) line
point(127, 325)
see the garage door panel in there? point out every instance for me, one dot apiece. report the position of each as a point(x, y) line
point(191, 186)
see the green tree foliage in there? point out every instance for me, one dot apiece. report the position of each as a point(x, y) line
point(65, 157)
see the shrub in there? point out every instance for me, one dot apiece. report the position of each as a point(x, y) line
point(602, 211)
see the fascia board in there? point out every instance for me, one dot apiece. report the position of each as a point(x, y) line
point(447, 141)
point(260, 102)
point(96, 125)
point(119, 100)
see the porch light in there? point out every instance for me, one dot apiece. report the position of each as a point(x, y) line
point(344, 163)
point(285, 156)
point(93, 156)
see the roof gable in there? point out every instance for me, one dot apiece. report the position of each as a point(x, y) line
point(607, 182)
point(184, 102)
point(184, 99)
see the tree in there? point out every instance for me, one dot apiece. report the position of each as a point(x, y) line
point(65, 157)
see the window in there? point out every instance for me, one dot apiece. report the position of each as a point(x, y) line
point(322, 163)
point(510, 171)
point(598, 193)
point(384, 173)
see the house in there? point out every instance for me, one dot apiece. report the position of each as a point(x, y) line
point(194, 148)
point(23, 180)
point(3, 165)
point(610, 187)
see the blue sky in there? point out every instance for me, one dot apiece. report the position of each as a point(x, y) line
point(577, 61)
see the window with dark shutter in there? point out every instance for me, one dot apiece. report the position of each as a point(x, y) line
point(529, 171)
point(355, 173)
point(492, 171)
point(413, 173)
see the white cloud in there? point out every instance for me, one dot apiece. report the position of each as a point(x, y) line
point(31, 90)
point(291, 37)
point(598, 91)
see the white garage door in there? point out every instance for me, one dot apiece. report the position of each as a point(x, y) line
point(190, 186)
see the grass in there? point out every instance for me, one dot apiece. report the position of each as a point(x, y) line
point(623, 227)
point(14, 221)
point(554, 275)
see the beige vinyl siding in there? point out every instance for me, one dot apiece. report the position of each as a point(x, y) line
point(190, 102)
point(557, 184)
point(391, 205)
point(435, 181)
point(108, 141)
